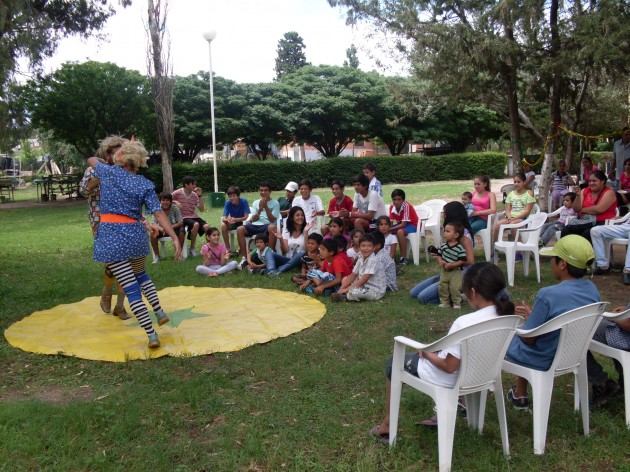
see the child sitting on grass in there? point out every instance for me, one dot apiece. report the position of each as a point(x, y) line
point(256, 258)
point(355, 239)
point(366, 282)
point(384, 226)
point(336, 228)
point(334, 269)
point(386, 263)
point(548, 230)
point(311, 260)
point(215, 256)
point(451, 257)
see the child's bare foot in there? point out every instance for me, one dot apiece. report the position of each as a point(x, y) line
point(213, 274)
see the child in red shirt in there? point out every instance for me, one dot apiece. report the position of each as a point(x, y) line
point(334, 269)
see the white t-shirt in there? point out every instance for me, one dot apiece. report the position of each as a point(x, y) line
point(310, 206)
point(371, 202)
point(429, 372)
point(389, 240)
point(295, 244)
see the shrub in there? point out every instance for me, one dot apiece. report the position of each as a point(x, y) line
point(390, 169)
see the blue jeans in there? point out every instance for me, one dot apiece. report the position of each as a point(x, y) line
point(279, 263)
point(427, 291)
point(477, 224)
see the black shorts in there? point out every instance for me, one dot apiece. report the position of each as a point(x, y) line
point(178, 231)
point(189, 222)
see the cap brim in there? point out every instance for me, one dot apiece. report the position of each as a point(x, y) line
point(547, 251)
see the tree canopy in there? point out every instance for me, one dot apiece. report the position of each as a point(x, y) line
point(291, 54)
point(327, 106)
point(80, 104)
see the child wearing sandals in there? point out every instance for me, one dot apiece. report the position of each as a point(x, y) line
point(215, 256)
point(484, 286)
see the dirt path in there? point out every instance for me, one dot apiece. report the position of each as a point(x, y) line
point(60, 202)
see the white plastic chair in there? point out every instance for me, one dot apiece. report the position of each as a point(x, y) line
point(486, 236)
point(552, 214)
point(414, 240)
point(526, 241)
point(162, 247)
point(622, 356)
point(250, 239)
point(434, 223)
point(576, 330)
point(483, 345)
point(622, 241)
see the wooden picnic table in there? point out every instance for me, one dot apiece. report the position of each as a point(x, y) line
point(7, 186)
point(50, 186)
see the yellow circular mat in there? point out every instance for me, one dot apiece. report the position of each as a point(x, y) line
point(203, 320)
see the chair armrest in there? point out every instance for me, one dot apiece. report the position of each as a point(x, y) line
point(409, 342)
point(618, 221)
point(503, 227)
point(559, 321)
point(612, 316)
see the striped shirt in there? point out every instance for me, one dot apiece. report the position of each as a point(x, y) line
point(188, 203)
point(453, 253)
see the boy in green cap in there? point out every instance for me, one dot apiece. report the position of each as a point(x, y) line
point(570, 258)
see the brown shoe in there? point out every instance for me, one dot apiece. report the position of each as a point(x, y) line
point(106, 302)
point(121, 313)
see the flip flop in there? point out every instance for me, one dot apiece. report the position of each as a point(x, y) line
point(430, 423)
point(384, 438)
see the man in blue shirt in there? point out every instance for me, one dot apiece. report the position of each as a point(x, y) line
point(571, 257)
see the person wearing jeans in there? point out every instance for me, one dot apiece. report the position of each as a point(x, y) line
point(598, 235)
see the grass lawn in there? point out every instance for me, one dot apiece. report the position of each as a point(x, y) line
point(303, 402)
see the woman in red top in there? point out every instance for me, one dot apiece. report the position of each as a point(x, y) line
point(597, 200)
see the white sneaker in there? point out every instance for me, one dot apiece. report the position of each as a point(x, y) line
point(156, 259)
point(193, 252)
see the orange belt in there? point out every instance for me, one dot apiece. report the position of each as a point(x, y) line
point(114, 218)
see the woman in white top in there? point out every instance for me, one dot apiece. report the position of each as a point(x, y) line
point(484, 286)
point(293, 243)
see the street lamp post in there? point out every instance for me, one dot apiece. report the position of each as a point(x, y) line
point(210, 36)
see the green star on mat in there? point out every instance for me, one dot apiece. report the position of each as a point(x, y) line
point(176, 317)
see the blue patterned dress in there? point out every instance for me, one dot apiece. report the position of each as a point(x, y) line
point(123, 193)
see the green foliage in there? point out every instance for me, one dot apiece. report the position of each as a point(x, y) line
point(328, 107)
point(390, 169)
point(191, 113)
point(291, 55)
point(352, 59)
point(32, 29)
point(81, 104)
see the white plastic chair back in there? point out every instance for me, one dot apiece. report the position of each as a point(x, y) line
point(418, 239)
point(623, 357)
point(486, 236)
point(535, 224)
point(576, 330)
point(483, 347)
point(433, 225)
point(535, 209)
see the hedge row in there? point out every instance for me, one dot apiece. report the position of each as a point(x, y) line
point(389, 169)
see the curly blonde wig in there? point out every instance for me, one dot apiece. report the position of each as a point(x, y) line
point(133, 154)
point(107, 145)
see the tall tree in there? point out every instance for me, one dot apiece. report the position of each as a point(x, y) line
point(80, 104)
point(192, 113)
point(328, 107)
point(291, 54)
point(162, 82)
point(352, 58)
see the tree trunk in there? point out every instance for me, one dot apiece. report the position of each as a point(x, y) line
point(162, 87)
point(552, 132)
point(509, 75)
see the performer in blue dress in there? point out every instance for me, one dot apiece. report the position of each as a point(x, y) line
point(121, 241)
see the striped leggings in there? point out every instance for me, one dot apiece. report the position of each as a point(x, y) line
point(132, 276)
